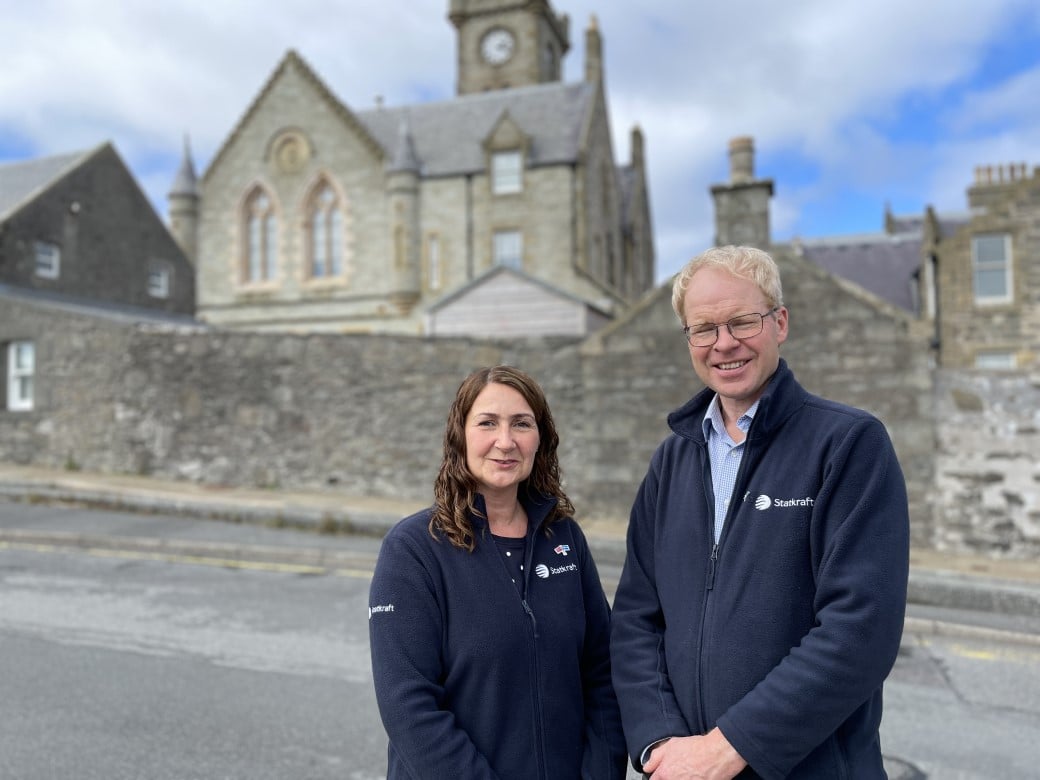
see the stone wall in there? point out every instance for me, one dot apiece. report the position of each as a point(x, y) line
point(365, 414)
point(988, 463)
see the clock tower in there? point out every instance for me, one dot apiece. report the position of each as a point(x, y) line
point(508, 43)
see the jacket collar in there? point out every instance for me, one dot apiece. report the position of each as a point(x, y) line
point(536, 505)
point(782, 397)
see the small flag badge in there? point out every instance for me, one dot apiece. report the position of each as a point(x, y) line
point(562, 549)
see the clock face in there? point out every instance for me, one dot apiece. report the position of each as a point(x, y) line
point(497, 46)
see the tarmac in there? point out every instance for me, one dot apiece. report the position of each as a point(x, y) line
point(953, 594)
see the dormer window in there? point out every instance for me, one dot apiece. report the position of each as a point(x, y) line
point(48, 260)
point(159, 283)
point(506, 172)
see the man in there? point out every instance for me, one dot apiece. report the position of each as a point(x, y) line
point(761, 603)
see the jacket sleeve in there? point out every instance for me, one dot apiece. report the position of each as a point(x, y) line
point(405, 633)
point(860, 541)
point(649, 710)
point(604, 752)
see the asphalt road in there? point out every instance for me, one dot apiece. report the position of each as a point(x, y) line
point(181, 662)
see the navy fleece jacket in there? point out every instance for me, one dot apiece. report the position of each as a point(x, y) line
point(783, 634)
point(473, 681)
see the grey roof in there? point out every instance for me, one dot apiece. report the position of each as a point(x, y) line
point(448, 136)
point(878, 262)
point(20, 182)
point(116, 312)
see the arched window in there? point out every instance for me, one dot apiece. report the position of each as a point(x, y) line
point(261, 234)
point(325, 223)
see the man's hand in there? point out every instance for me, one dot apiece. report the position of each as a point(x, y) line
point(710, 757)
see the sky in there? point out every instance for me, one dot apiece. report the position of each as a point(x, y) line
point(853, 107)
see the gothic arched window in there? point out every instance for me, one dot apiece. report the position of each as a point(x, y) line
point(261, 238)
point(325, 227)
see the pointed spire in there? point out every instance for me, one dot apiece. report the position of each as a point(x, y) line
point(593, 52)
point(186, 183)
point(405, 158)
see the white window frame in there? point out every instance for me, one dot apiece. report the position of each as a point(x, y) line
point(996, 361)
point(159, 283)
point(47, 259)
point(507, 172)
point(989, 266)
point(21, 371)
point(508, 248)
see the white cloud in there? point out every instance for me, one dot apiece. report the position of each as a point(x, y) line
point(815, 82)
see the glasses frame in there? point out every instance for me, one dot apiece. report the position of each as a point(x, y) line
point(716, 325)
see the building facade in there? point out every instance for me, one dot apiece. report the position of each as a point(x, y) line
point(980, 284)
point(76, 231)
point(314, 217)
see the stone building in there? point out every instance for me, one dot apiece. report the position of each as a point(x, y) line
point(182, 400)
point(315, 217)
point(981, 283)
point(973, 276)
point(76, 230)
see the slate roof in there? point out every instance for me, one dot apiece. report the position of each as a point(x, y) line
point(20, 182)
point(878, 262)
point(117, 312)
point(448, 136)
point(881, 263)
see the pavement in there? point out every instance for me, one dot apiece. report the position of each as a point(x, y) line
point(970, 595)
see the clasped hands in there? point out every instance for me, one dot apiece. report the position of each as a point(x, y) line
point(709, 757)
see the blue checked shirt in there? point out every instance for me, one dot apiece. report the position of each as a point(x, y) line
point(725, 456)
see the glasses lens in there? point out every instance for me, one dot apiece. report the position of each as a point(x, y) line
point(746, 325)
point(701, 336)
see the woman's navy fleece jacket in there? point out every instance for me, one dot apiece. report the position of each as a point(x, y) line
point(474, 682)
point(783, 635)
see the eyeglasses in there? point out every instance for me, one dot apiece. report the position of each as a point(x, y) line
point(743, 326)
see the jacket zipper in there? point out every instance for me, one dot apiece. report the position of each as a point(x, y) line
point(713, 558)
point(542, 769)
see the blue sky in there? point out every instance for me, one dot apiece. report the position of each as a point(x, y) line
point(852, 107)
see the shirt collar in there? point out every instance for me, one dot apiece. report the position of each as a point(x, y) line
point(713, 422)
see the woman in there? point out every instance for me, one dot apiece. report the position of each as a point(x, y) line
point(488, 622)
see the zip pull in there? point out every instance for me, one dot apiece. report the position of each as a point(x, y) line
point(713, 559)
point(530, 614)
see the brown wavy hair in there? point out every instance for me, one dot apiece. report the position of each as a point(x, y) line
point(455, 488)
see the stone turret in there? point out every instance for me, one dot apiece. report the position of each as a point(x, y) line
point(183, 200)
point(403, 188)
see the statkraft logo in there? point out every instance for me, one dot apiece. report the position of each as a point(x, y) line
point(379, 608)
point(545, 572)
point(764, 502)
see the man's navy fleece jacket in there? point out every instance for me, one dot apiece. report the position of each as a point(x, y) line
point(783, 634)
